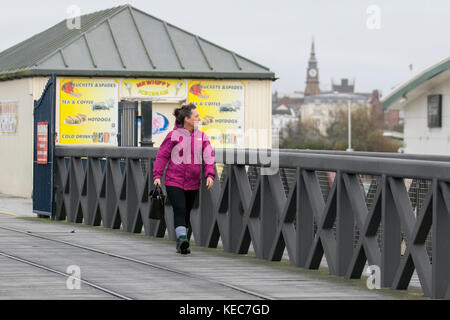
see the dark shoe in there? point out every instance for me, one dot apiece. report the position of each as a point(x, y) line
point(183, 245)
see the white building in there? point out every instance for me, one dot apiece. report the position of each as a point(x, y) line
point(281, 117)
point(425, 101)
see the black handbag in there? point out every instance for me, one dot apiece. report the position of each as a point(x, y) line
point(157, 200)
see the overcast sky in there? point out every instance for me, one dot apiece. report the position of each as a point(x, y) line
point(277, 34)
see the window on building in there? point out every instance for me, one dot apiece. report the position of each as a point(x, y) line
point(434, 111)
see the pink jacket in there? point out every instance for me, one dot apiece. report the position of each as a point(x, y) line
point(186, 152)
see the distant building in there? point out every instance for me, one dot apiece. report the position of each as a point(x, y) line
point(282, 115)
point(284, 110)
point(312, 74)
point(375, 102)
point(322, 108)
point(343, 87)
point(321, 105)
point(293, 101)
point(393, 118)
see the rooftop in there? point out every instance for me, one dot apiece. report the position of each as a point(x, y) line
point(418, 85)
point(336, 97)
point(125, 41)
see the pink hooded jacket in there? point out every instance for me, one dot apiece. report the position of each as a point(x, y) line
point(186, 152)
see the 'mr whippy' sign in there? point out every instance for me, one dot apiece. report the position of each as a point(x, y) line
point(153, 88)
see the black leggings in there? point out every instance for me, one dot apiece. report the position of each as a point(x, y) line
point(182, 202)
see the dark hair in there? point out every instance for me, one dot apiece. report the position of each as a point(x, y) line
point(183, 111)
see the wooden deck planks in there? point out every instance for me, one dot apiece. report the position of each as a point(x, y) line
point(275, 279)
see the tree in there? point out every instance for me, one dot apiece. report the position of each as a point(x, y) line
point(367, 134)
point(303, 134)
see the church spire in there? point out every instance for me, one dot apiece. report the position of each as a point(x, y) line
point(312, 74)
point(313, 52)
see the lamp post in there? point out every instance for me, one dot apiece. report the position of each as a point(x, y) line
point(349, 148)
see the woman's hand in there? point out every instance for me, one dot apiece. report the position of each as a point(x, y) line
point(157, 182)
point(209, 182)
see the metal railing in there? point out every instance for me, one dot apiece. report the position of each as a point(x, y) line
point(352, 222)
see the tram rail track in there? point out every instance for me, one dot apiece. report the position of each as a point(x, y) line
point(64, 274)
point(129, 259)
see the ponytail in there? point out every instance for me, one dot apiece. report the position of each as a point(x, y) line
point(183, 111)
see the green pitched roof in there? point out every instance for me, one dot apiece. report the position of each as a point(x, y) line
point(124, 41)
point(415, 82)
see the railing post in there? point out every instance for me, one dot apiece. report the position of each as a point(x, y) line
point(75, 172)
point(270, 198)
point(391, 236)
point(235, 212)
point(305, 222)
point(440, 240)
point(93, 177)
point(202, 217)
point(61, 188)
point(344, 228)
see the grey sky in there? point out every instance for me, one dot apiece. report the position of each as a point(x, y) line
point(278, 34)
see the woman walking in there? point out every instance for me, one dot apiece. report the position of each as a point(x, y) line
point(186, 148)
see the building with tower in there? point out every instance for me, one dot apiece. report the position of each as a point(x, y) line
point(320, 105)
point(312, 75)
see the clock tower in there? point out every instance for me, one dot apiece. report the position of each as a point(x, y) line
point(312, 75)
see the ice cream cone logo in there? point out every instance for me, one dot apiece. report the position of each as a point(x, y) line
point(178, 87)
point(129, 87)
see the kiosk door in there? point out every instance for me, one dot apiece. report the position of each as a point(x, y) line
point(44, 152)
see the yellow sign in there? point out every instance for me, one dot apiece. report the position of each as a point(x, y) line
point(221, 108)
point(88, 111)
point(153, 88)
